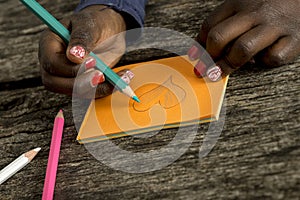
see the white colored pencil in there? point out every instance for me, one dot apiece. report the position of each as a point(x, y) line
point(17, 164)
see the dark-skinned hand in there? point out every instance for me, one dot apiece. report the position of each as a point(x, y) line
point(238, 31)
point(96, 28)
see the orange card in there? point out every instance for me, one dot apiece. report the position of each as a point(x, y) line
point(171, 96)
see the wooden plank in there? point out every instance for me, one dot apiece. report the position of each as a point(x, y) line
point(256, 156)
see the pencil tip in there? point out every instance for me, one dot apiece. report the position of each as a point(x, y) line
point(60, 114)
point(136, 99)
point(32, 153)
point(37, 149)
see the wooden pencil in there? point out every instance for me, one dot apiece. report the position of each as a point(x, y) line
point(53, 158)
point(17, 164)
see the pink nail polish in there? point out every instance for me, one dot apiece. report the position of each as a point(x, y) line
point(194, 53)
point(97, 79)
point(200, 69)
point(127, 76)
point(77, 51)
point(90, 63)
point(214, 73)
point(130, 74)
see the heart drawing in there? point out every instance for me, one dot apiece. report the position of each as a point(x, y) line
point(168, 95)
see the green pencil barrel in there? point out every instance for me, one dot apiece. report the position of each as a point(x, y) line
point(64, 33)
point(112, 76)
point(48, 19)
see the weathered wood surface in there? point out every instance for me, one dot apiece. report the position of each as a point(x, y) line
point(256, 156)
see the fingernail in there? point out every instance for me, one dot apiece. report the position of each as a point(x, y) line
point(77, 51)
point(194, 53)
point(127, 76)
point(200, 69)
point(97, 79)
point(130, 74)
point(214, 73)
point(90, 63)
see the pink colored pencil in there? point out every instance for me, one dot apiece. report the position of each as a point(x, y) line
point(53, 157)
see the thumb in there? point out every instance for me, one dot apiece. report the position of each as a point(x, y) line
point(83, 38)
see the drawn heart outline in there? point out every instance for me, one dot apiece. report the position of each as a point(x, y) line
point(168, 95)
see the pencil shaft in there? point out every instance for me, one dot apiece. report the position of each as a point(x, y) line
point(13, 168)
point(17, 164)
point(48, 19)
point(60, 30)
point(113, 77)
point(53, 158)
point(16, 161)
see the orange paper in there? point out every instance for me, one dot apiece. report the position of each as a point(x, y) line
point(171, 96)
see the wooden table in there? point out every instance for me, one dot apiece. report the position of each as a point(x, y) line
point(256, 156)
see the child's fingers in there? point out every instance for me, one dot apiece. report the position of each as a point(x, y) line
point(241, 52)
point(57, 84)
point(247, 46)
point(83, 86)
point(227, 31)
point(282, 52)
point(86, 84)
point(97, 87)
point(221, 13)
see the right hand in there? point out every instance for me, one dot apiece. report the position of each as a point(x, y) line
point(92, 29)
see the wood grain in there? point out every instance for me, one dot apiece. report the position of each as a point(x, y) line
point(257, 155)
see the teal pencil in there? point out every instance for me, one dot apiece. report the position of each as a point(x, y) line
point(60, 30)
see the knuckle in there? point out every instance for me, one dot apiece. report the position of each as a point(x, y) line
point(246, 48)
point(81, 16)
point(81, 37)
point(215, 36)
point(80, 34)
point(47, 66)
